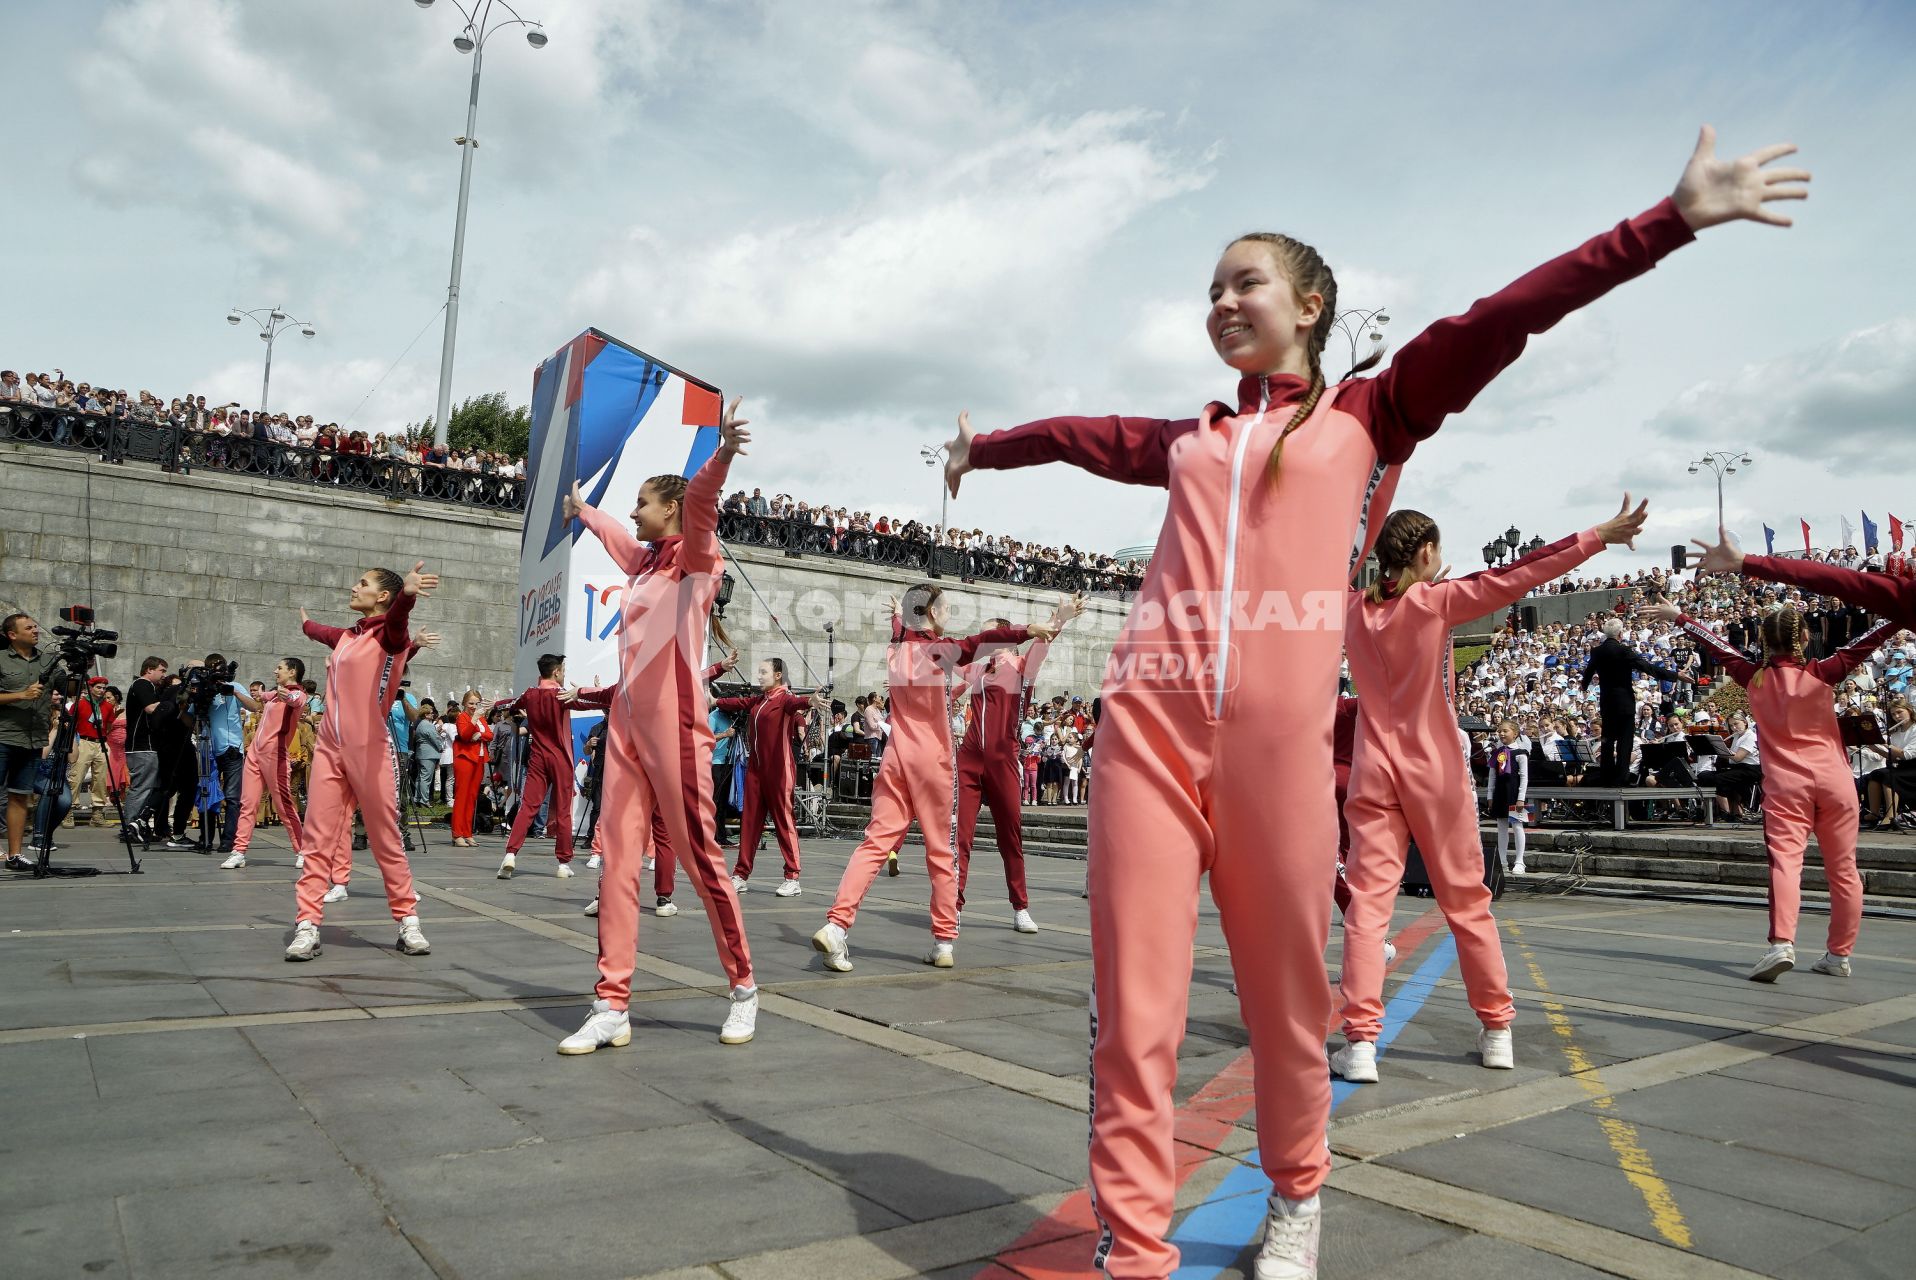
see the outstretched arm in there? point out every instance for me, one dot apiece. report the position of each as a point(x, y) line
point(1440, 372)
point(1832, 669)
point(625, 549)
point(597, 699)
point(1459, 600)
point(700, 509)
point(1130, 450)
point(319, 632)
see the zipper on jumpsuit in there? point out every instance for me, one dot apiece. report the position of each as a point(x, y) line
point(1242, 443)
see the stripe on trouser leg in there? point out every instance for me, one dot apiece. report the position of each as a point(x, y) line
point(1103, 1252)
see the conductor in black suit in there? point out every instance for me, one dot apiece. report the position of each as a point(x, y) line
point(1611, 665)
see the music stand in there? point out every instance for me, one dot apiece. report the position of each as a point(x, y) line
point(1861, 731)
point(1673, 757)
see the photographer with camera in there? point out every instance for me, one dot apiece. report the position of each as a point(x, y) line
point(214, 702)
point(146, 707)
point(27, 675)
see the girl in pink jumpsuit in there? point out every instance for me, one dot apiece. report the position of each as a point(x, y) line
point(1408, 778)
point(658, 742)
point(1807, 785)
point(1231, 654)
point(353, 761)
point(916, 778)
point(267, 764)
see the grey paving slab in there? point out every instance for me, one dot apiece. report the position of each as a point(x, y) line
point(1849, 1197)
point(165, 1063)
point(52, 1072)
point(76, 1237)
point(884, 1154)
point(1729, 1229)
point(1897, 1033)
point(1474, 1257)
point(1816, 1127)
point(568, 1199)
point(1882, 1081)
point(1883, 1252)
point(308, 1224)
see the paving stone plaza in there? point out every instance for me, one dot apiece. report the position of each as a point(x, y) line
point(181, 1102)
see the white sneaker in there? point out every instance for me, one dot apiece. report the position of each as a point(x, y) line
point(1776, 962)
point(507, 865)
point(832, 943)
point(1390, 952)
point(565, 871)
point(233, 862)
point(591, 908)
point(742, 1019)
point(299, 862)
point(1832, 964)
point(305, 941)
point(1517, 870)
point(940, 956)
point(1290, 1240)
point(1495, 1049)
point(787, 889)
point(1356, 1062)
point(594, 862)
point(666, 907)
point(739, 884)
point(603, 1026)
point(335, 894)
point(648, 864)
point(1023, 922)
point(411, 941)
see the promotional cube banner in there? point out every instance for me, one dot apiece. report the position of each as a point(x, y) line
point(608, 416)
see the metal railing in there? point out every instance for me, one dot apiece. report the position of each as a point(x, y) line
point(922, 555)
point(177, 449)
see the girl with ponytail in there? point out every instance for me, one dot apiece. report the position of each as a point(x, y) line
point(1807, 785)
point(1409, 777)
point(1231, 654)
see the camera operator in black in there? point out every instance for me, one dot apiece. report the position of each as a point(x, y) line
point(179, 773)
point(27, 676)
point(146, 708)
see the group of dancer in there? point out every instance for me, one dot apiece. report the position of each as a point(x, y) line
point(1216, 744)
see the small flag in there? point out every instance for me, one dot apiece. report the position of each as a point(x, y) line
point(1869, 535)
point(1895, 533)
point(1769, 541)
point(1849, 534)
point(1806, 537)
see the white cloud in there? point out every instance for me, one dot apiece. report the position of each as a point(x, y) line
point(1842, 403)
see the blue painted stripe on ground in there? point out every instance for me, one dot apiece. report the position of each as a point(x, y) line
point(1215, 1234)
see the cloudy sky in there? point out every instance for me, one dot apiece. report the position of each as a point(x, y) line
point(868, 216)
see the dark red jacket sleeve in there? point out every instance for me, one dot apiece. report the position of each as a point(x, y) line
point(320, 633)
point(1132, 450)
point(1441, 370)
point(392, 623)
point(1833, 669)
point(1887, 597)
point(1739, 667)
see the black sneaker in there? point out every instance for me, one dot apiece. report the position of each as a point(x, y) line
point(178, 842)
point(18, 863)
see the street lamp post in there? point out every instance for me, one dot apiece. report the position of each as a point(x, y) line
point(936, 458)
point(1723, 462)
point(1371, 324)
point(471, 39)
point(270, 328)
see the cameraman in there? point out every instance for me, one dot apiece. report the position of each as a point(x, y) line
point(146, 708)
point(26, 716)
point(229, 744)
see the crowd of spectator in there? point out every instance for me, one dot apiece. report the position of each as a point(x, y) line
point(225, 437)
point(1534, 678)
point(781, 520)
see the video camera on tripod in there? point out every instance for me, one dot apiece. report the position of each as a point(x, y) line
point(82, 644)
point(202, 685)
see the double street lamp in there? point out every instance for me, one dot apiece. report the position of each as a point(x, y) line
point(1510, 546)
point(1723, 462)
point(275, 321)
point(1369, 323)
point(471, 39)
point(935, 457)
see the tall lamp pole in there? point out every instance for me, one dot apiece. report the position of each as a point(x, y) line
point(936, 458)
point(270, 327)
point(1371, 325)
point(1723, 462)
point(471, 39)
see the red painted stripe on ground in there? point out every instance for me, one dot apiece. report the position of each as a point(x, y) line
point(1053, 1250)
